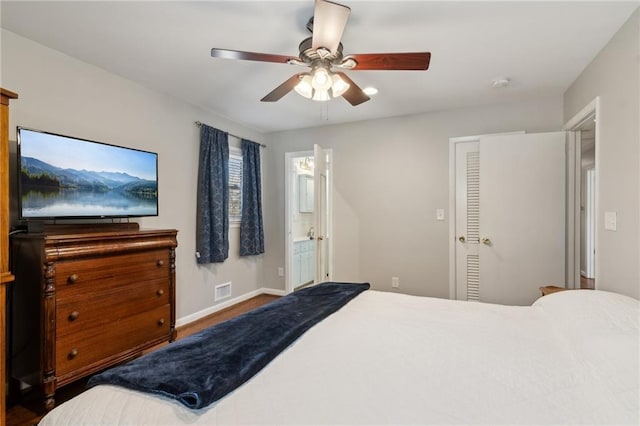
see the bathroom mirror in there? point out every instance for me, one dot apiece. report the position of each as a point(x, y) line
point(305, 194)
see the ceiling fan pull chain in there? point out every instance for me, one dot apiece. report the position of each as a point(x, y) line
point(324, 111)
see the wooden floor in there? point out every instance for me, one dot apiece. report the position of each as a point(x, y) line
point(28, 413)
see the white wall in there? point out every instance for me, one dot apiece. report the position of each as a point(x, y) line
point(390, 176)
point(63, 95)
point(614, 76)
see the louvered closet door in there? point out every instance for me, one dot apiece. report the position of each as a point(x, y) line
point(467, 221)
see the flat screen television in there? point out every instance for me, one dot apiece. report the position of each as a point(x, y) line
point(63, 177)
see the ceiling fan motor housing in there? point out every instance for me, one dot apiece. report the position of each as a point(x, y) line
point(310, 55)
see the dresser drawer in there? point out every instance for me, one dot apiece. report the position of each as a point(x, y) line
point(100, 274)
point(90, 345)
point(82, 311)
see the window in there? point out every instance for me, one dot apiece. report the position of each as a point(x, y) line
point(235, 185)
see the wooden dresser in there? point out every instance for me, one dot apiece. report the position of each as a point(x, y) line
point(88, 297)
point(5, 274)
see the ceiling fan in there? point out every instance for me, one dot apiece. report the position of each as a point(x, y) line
point(323, 51)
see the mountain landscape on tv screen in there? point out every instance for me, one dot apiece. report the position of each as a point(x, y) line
point(37, 173)
point(52, 191)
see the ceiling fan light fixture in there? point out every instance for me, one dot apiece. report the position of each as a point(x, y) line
point(321, 80)
point(304, 87)
point(339, 86)
point(321, 95)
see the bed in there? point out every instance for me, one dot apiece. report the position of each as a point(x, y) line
point(386, 358)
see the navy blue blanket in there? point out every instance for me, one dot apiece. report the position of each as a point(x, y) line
point(202, 368)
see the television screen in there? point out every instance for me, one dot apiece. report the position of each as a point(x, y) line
point(67, 177)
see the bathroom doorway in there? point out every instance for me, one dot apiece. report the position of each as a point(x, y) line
point(308, 218)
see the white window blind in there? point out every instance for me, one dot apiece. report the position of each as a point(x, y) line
point(235, 185)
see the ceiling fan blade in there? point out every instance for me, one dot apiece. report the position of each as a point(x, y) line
point(417, 61)
point(329, 20)
point(277, 93)
point(354, 95)
point(251, 56)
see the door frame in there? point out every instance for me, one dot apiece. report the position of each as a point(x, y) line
point(324, 240)
point(574, 174)
point(590, 224)
point(289, 203)
point(452, 201)
point(289, 209)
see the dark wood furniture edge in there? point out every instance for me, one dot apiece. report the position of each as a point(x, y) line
point(6, 276)
point(6, 96)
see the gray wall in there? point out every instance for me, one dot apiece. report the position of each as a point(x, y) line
point(614, 76)
point(63, 95)
point(390, 176)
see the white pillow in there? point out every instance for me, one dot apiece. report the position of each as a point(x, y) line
point(601, 330)
point(592, 311)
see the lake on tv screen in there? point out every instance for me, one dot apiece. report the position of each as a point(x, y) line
point(65, 202)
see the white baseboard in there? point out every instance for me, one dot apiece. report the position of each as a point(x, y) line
point(273, 291)
point(215, 308)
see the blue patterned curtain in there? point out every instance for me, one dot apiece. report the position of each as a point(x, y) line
point(251, 232)
point(212, 222)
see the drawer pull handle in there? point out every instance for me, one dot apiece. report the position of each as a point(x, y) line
point(160, 292)
point(160, 262)
point(74, 315)
point(72, 278)
point(160, 322)
point(73, 353)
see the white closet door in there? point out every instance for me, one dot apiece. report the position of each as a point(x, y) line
point(522, 216)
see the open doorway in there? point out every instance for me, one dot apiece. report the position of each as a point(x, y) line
point(582, 205)
point(308, 223)
point(300, 220)
point(587, 203)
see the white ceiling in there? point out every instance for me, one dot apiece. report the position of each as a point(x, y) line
point(541, 46)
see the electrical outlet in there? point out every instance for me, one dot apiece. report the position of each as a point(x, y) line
point(281, 271)
point(395, 282)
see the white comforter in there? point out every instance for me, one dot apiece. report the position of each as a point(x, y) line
point(387, 358)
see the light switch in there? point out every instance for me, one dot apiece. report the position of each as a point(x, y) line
point(610, 221)
point(439, 214)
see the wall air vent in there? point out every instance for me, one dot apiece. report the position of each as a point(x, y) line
point(222, 291)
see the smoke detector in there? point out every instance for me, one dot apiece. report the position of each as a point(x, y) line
point(499, 83)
